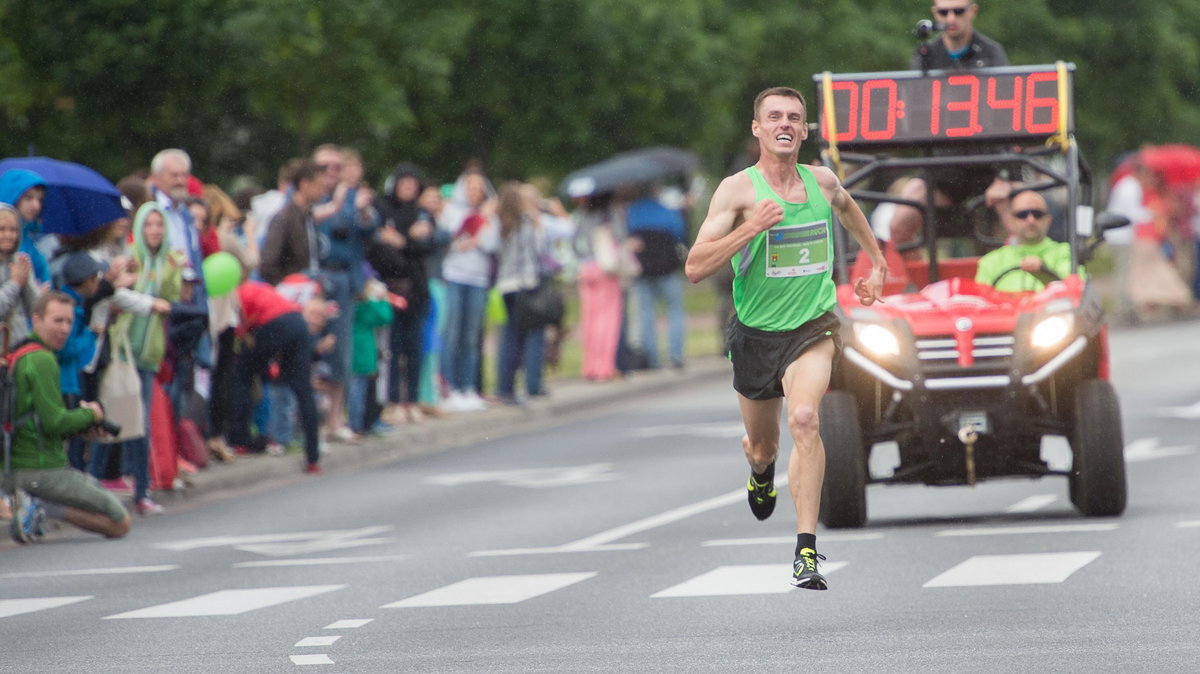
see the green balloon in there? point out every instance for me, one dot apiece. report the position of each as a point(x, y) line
point(222, 273)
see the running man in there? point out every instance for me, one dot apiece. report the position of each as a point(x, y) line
point(772, 221)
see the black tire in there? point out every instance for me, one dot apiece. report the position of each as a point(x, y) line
point(1097, 481)
point(844, 492)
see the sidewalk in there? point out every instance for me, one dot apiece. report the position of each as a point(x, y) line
point(567, 397)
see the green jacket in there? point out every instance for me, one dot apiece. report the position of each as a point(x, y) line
point(160, 274)
point(36, 382)
point(368, 315)
point(1055, 256)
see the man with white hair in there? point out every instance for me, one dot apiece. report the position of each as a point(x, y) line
point(169, 173)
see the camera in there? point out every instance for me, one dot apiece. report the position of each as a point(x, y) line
point(110, 428)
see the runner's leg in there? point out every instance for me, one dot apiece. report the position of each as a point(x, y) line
point(804, 383)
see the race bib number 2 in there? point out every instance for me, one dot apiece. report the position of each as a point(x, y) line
point(798, 250)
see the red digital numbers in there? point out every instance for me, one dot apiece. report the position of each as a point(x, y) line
point(960, 106)
point(1033, 103)
point(971, 106)
point(1014, 103)
point(893, 106)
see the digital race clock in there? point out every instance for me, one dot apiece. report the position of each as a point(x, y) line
point(941, 106)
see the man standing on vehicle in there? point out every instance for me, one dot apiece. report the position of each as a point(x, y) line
point(959, 47)
point(1042, 259)
point(772, 221)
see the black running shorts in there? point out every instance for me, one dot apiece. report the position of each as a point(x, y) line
point(760, 357)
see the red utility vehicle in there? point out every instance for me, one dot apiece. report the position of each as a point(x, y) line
point(965, 379)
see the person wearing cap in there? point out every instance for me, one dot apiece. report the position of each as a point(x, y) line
point(25, 190)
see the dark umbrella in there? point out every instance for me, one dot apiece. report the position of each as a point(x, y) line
point(635, 167)
point(78, 199)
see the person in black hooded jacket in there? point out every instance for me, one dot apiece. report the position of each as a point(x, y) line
point(398, 255)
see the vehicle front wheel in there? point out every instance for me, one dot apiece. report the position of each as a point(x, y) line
point(844, 492)
point(1097, 481)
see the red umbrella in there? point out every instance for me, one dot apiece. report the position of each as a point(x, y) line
point(1177, 163)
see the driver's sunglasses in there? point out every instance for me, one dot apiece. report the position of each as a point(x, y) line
point(1037, 214)
point(957, 11)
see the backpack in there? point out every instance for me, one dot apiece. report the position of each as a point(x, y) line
point(8, 401)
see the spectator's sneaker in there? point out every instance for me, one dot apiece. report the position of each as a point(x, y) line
point(119, 486)
point(313, 469)
point(26, 524)
point(761, 496)
point(146, 507)
point(804, 571)
point(276, 449)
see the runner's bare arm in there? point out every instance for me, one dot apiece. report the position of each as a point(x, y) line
point(852, 218)
point(721, 236)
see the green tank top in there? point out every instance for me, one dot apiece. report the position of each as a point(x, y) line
point(784, 277)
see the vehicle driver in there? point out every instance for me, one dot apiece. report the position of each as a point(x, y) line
point(772, 221)
point(1039, 258)
point(959, 47)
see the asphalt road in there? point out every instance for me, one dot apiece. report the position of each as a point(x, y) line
point(620, 540)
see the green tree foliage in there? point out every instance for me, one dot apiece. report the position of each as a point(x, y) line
point(531, 87)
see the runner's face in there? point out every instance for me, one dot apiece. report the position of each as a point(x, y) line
point(957, 15)
point(780, 126)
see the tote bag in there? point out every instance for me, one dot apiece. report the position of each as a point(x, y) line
point(121, 395)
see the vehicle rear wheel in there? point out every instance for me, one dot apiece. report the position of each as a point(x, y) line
point(1097, 480)
point(844, 492)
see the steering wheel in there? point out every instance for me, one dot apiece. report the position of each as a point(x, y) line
point(1046, 271)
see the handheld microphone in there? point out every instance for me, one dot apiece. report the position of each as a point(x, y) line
point(924, 29)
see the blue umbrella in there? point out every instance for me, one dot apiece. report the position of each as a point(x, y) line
point(78, 199)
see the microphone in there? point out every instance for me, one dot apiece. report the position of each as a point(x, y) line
point(925, 28)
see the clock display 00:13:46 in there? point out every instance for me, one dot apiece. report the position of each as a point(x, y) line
point(908, 108)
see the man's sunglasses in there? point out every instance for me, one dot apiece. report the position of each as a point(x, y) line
point(957, 11)
point(1037, 214)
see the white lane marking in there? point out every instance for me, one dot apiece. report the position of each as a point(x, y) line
point(228, 602)
point(315, 659)
point(512, 552)
point(1188, 524)
point(348, 624)
point(318, 561)
point(781, 540)
point(492, 590)
point(535, 478)
point(602, 540)
point(308, 642)
point(1032, 503)
point(743, 579)
point(720, 429)
point(1039, 568)
point(1034, 529)
point(310, 541)
point(1188, 412)
point(11, 607)
point(1147, 449)
point(91, 572)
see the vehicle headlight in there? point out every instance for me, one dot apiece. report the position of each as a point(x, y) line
point(877, 339)
point(1052, 330)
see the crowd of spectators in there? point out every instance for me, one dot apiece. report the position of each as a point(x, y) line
point(349, 313)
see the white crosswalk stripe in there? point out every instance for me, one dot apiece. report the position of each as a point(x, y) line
point(1039, 568)
point(739, 580)
point(12, 607)
point(492, 590)
point(228, 602)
